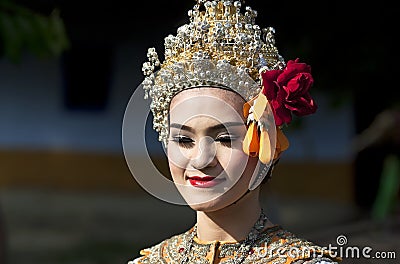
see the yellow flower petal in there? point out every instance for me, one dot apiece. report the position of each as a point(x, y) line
point(282, 143)
point(265, 147)
point(259, 106)
point(246, 108)
point(251, 141)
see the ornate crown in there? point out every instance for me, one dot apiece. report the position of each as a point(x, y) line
point(221, 46)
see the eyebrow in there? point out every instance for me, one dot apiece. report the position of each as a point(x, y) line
point(215, 127)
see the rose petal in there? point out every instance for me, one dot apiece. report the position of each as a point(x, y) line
point(288, 91)
point(281, 114)
point(269, 86)
point(302, 106)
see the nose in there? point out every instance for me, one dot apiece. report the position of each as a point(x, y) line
point(204, 154)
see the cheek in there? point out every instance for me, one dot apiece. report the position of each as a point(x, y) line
point(177, 162)
point(235, 162)
point(176, 172)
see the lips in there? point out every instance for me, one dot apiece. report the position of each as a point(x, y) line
point(204, 181)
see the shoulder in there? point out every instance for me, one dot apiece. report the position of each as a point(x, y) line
point(278, 243)
point(161, 252)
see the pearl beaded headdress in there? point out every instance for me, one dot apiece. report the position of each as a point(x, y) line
point(221, 46)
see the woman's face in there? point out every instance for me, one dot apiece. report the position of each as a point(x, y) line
point(205, 154)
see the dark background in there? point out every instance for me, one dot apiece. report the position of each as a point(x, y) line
point(351, 46)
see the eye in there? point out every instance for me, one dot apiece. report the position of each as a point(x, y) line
point(183, 141)
point(225, 140)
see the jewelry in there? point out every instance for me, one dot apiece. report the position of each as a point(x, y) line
point(221, 46)
point(245, 246)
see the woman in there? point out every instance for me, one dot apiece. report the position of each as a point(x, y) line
point(219, 102)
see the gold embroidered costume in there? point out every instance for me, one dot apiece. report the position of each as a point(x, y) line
point(274, 245)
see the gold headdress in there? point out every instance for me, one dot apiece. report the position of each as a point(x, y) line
point(221, 46)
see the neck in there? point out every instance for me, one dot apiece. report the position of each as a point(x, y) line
point(232, 223)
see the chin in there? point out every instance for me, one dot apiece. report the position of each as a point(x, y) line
point(206, 207)
point(216, 204)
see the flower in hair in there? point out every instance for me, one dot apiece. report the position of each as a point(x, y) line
point(287, 91)
point(257, 141)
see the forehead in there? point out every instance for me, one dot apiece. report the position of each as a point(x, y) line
point(215, 103)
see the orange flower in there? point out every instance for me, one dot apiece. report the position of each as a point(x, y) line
point(251, 142)
point(257, 141)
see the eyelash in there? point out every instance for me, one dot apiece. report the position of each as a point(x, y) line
point(183, 141)
point(187, 142)
point(225, 140)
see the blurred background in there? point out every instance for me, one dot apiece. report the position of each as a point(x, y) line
point(68, 69)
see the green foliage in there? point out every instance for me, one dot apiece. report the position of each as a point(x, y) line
point(23, 30)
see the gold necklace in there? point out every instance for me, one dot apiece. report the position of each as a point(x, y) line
point(245, 246)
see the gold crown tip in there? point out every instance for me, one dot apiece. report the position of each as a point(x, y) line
point(221, 46)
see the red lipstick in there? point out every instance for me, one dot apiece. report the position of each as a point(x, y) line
point(203, 182)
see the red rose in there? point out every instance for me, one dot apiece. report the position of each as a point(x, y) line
point(288, 91)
